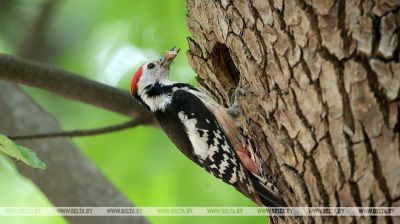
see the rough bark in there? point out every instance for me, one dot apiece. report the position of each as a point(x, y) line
point(322, 83)
point(70, 179)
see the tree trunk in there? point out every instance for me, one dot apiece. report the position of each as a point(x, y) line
point(322, 83)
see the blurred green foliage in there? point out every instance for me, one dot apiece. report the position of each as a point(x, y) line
point(107, 41)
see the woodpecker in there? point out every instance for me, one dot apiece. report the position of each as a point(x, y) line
point(203, 130)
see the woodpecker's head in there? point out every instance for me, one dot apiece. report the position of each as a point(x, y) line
point(153, 72)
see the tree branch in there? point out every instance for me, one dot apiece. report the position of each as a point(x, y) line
point(70, 179)
point(82, 133)
point(69, 85)
point(61, 184)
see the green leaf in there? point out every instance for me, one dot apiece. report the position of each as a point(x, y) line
point(20, 152)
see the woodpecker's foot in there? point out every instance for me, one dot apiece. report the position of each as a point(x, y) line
point(236, 95)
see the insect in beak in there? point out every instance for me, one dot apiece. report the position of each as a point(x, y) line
point(169, 57)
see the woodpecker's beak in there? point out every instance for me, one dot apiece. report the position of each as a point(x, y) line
point(169, 57)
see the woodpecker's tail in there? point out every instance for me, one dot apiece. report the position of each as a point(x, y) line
point(266, 192)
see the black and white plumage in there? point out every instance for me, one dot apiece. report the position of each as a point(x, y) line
point(200, 128)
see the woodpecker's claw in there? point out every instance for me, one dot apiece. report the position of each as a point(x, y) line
point(236, 96)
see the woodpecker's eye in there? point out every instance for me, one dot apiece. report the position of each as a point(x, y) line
point(151, 65)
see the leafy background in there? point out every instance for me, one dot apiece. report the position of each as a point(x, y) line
point(106, 41)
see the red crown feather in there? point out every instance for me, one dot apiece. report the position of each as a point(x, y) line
point(135, 80)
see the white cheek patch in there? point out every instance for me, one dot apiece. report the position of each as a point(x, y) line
point(157, 102)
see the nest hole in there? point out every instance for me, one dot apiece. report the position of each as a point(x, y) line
point(224, 65)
